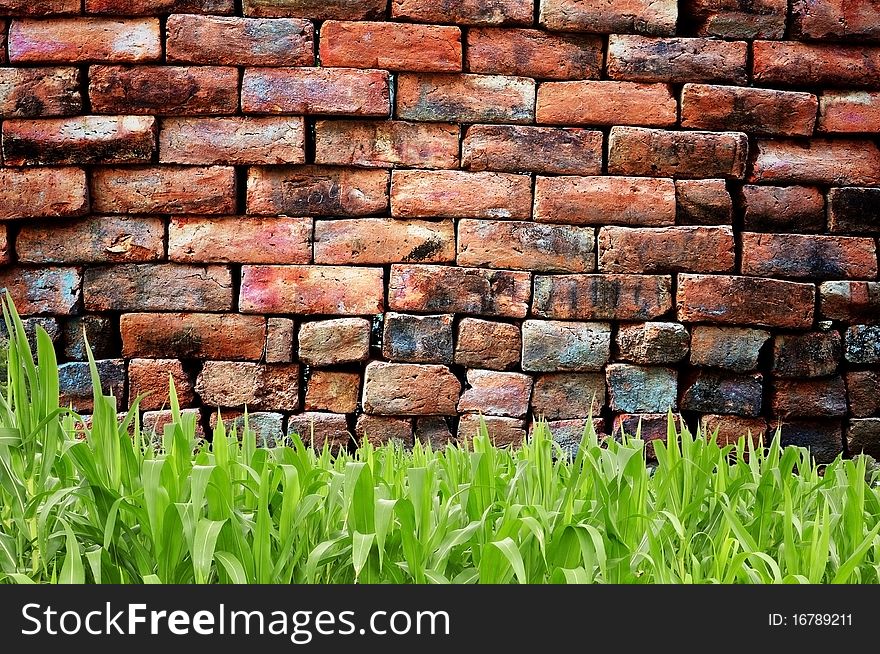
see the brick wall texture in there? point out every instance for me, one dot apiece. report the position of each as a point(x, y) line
point(374, 219)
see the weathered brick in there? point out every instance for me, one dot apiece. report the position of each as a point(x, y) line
point(862, 344)
point(568, 434)
point(605, 200)
point(835, 19)
point(729, 429)
point(437, 193)
point(236, 141)
point(798, 256)
point(386, 144)
point(333, 391)
point(567, 395)
point(626, 16)
point(150, 378)
point(382, 429)
point(649, 427)
point(606, 103)
point(100, 331)
point(157, 287)
point(533, 53)
point(268, 427)
point(652, 342)
point(331, 342)
point(320, 429)
point(850, 302)
point(823, 438)
point(152, 7)
point(554, 345)
point(163, 90)
point(164, 189)
point(496, 393)
point(39, 92)
point(731, 348)
point(808, 354)
point(4, 244)
point(510, 148)
point(442, 289)
point(43, 193)
point(317, 9)
point(75, 383)
point(487, 344)
point(81, 140)
point(240, 240)
point(417, 339)
point(502, 431)
point(783, 209)
point(433, 431)
point(39, 7)
point(602, 297)
point(848, 162)
point(406, 389)
point(154, 423)
point(310, 290)
point(812, 64)
point(849, 112)
point(279, 340)
point(738, 19)
point(193, 336)
point(677, 60)
point(718, 392)
point(329, 91)
point(814, 397)
point(703, 202)
point(69, 40)
point(641, 389)
point(465, 98)
point(255, 385)
point(863, 392)
point(660, 153)
point(854, 210)
point(316, 191)
point(384, 240)
point(863, 437)
point(43, 290)
point(391, 46)
point(234, 41)
point(756, 111)
point(465, 12)
point(666, 250)
point(524, 245)
point(96, 239)
point(50, 325)
point(745, 301)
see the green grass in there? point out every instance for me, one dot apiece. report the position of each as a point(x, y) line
point(107, 505)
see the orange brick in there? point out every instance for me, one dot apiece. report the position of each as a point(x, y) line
point(164, 189)
point(602, 297)
point(317, 9)
point(334, 391)
point(798, 256)
point(849, 112)
point(465, 12)
point(39, 7)
point(439, 193)
point(647, 59)
point(152, 7)
point(233, 141)
point(68, 40)
point(316, 191)
point(622, 16)
point(815, 64)
point(150, 378)
point(843, 162)
point(39, 92)
point(376, 241)
point(606, 103)
point(386, 144)
point(666, 250)
point(44, 290)
point(232, 337)
point(835, 19)
point(244, 239)
point(465, 98)
point(515, 148)
point(533, 53)
point(408, 389)
point(604, 200)
point(95, 239)
point(43, 193)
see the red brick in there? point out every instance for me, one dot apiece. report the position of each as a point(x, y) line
point(310, 290)
point(39, 7)
point(605, 200)
point(730, 348)
point(43, 193)
point(496, 393)
point(783, 209)
point(193, 336)
point(279, 340)
point(807, 354)
point(845, 162)
point(854, 210)
point(329, 91)
point(666, 250)
point(157, 287)
point(850, 302)
point(602, 297)
point(757, 111)
point(44, 290)
point(319, 429)
point(254, 385)
point(568, 395)
point(863, 392)
point(501, 431)
point(375, 241)
point(443, 289)
point(738, 19)
point(487, 344)
point(417, 339)
point(798, 256)
point(4, 244)
point(150, 378)
point(524, 245)
point(465, 98)
point(81, 140)
point(334, 391)
point(434, 431)
point(163, 90)
point(703, 202)
point(815, 397)
point(606, 103)
point(548, 150)
point(165, 189)
point(391, 46)
point(729, 429)
point(863, 437)
point(153, 423)
point(409, 389)
point(652, 342)
point(317, 9)
point(814, 64)
point(386, 144)
point(316, 191)
point(533, 53)
point(233, 141)
point(649, 426)
point(68, 40)
point(622, 16)
point(234, 41)
point(153, 7)
point(439, 193)
point(849, 112)
point(381, 429)
point(244, 239)
point(96, 239)
point(465, 12)
point(661, 153)
point(745, 301)
point(39, 92)
point(835, 19)
point(332, 342)
point(677, 60)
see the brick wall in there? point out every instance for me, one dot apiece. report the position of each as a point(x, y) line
point(385, 218)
